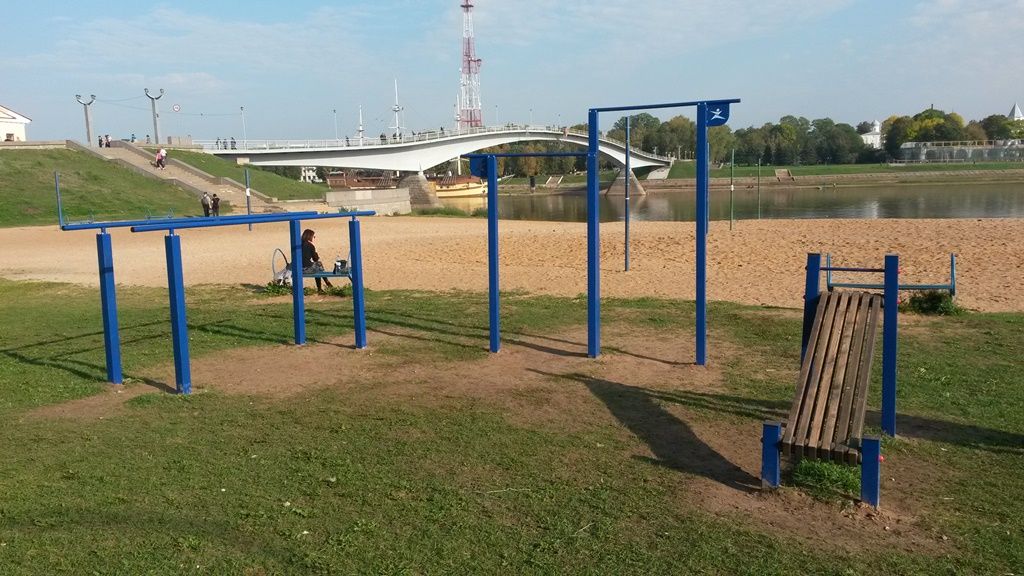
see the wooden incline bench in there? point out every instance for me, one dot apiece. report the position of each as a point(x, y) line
point(826, 420)
point(827, 417)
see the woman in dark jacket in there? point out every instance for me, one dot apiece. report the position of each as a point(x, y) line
point(311, 260)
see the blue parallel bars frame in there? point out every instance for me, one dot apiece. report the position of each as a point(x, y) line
point(176, 286)
point(709, 113)
point(108, 287)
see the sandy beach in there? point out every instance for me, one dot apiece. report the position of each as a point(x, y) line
point(758, 262)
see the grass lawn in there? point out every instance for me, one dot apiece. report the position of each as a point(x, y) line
point(689, 169)
point(407, 464)
point(90, 187)
point(607, 176)
point(265, 182)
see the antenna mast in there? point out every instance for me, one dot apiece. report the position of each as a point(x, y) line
point(469, 114)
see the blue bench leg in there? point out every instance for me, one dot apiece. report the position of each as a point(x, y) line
point(870, 471)
point(771, 436)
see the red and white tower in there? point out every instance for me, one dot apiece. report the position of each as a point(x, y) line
point(469, 96)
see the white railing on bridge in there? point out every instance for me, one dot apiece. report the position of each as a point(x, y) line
point(402, 138)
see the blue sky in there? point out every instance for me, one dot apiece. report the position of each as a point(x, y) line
point(290, 64)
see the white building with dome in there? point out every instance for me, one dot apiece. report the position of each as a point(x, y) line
point(873, 138)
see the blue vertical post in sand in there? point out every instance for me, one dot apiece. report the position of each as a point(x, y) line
point(701, 220)
point(108, 301)
point(356, 266)
point(812, 292)
point(248, 197)
point(889, 341)
point(298, 298)
point(629, 175)
point(493, 282)
point(179, 327)
point(593, 241)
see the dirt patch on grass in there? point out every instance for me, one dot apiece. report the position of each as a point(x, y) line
point(644, 390)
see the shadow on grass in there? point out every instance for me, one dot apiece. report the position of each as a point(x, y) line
point(673, 441)
point(954, 433)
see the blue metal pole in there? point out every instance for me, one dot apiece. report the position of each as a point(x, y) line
point(812, 292)
point(60, 204)
point(108, 301)
point(493, 284)
point(889, 341)
point(952, 274)
point(702, 234)
point(593, 241)
point(355, 244)
point(179, 328)
point(298, 298)
point(628, 174)
point(771, 435)
point(248, 198)
point(870, 471)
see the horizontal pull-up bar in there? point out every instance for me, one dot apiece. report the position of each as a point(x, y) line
point(177, 222)
point(847, 269)
point(238, 220)
point(669, 105)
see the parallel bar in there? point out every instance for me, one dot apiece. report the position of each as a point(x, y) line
point(493, 284)
point(108, 301)
point(848, 269)
point(179, 327)
point(298, 297)
point(812, 292)
point(949, 287)
point(952, 274)
point(771, 435)
point(870, 471)
point(236, 220)
point(356, 275)
point(667, 105)
point(702, 234)
point(889, 337)
point(168, 223)
point(593, 241)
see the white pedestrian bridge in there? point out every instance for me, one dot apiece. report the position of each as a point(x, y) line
point(413, 152)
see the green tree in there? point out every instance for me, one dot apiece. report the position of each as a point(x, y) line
point(997, 127)
point(901, 130)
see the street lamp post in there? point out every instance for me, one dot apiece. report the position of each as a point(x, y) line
point(156, 115)
point(244, 137)
point(335, 124)
point(496, 115)
point(88, 116)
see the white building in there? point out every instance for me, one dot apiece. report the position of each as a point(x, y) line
point(308, 174)
point(1015, 113)
point(12, 125)
point(873, 138)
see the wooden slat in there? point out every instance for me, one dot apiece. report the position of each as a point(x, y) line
point(801, 383)
point(860, 400)
point(842, 429)
point(839, 382)
point(814, 361)
point(824, 388)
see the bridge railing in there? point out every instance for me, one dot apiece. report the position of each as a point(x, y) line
point(398, 139)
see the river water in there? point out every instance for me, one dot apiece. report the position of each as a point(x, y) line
point(982, 200)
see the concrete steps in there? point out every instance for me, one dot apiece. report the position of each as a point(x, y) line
point(143, 162)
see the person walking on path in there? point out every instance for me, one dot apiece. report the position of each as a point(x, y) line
point(215, 205)
point(161, 159)
point(205, 201)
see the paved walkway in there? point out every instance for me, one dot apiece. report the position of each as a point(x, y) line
point(227, 193)
point(660, 173)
